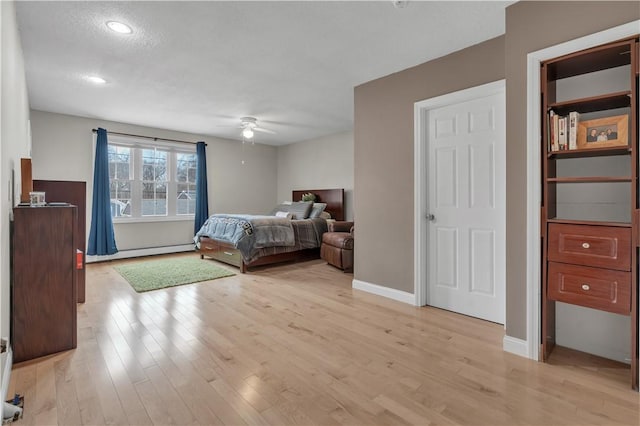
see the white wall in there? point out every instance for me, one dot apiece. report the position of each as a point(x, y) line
point(63, 150)
point(14, 143)
point(322, 163)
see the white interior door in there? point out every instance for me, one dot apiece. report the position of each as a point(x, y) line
point(466, 207)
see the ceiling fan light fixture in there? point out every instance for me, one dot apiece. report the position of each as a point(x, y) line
point(247, 133)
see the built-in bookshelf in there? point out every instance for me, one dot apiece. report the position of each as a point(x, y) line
point(590, 212)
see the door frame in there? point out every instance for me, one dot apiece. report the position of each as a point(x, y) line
point(420, 185)
point(530, 347)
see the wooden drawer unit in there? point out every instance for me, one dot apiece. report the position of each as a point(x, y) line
point(603, 289)
point(208, 244)
point(44, 281)
point(220, 251)
point(590, 245)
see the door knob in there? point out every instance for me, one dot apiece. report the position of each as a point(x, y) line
point(431, 217)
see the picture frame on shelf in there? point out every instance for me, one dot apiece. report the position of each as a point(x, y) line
point(604, 132)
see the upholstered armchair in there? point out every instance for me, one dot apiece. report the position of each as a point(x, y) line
point(337, 245)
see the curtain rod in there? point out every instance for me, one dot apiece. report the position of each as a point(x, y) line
point(147, 137)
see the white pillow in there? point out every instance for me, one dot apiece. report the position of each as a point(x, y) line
point(287, 215)
point(317, 209)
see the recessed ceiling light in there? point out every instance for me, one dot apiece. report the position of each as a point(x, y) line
point(95, 79)
point(119, 27)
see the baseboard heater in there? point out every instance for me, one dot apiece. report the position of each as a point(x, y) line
point(150, 251)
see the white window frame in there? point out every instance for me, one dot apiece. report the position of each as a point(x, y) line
point(137, 146)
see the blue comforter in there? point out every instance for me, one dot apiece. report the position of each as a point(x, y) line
point(248, 232)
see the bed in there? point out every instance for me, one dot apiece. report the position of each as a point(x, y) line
point(301, 243)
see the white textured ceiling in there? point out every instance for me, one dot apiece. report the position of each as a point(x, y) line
point(199, 66)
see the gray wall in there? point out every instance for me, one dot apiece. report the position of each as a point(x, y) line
point(321, 163)
point(383, 151)
point(14, 143)
point(383, 139)
point(63, 150)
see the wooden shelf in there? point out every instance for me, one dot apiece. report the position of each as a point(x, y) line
point(596, 59)
point(593, 103)
point(590, 179)
point(592, 152)
point(603, 250)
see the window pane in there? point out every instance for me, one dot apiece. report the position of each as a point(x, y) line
point(154, 165)
point(161, 207)
point(185, 189)
point(181, 168)
point(186, 167)
point(119, 183)
point(124, 189)
point(123, 154)
point(122, 171)
point(148, 156)
point(147, 172)
point(161, 191)
point(154, 199)
point(186, 199)
point(120, 198)
point(161, 172)
point(148, 190)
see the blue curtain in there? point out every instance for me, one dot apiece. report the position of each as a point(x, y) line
point(202, 199)
point(101, 237)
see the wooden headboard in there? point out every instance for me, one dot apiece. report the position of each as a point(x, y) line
point(333, 197)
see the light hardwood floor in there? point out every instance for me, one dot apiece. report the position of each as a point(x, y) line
point(294, 344)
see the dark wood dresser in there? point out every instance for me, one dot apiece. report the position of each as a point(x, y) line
point(43, 285)
point(72, 192)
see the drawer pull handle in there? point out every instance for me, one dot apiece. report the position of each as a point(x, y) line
point(228, 253)
point(585, 245)
point(586, 287)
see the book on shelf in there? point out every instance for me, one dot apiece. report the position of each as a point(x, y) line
point(574, 116)
point(562, 133)
point(553, 131)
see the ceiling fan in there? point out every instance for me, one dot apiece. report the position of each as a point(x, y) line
point(249, 125)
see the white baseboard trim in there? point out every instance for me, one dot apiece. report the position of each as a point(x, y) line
point(126, 254)
point(390, 293)
point(515, 346)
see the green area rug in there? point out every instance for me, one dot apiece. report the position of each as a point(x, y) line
point(169, 272)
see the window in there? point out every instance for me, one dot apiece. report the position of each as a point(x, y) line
point(154, 182)
point(151, 182)
point(186, 183)
point(120, 180)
